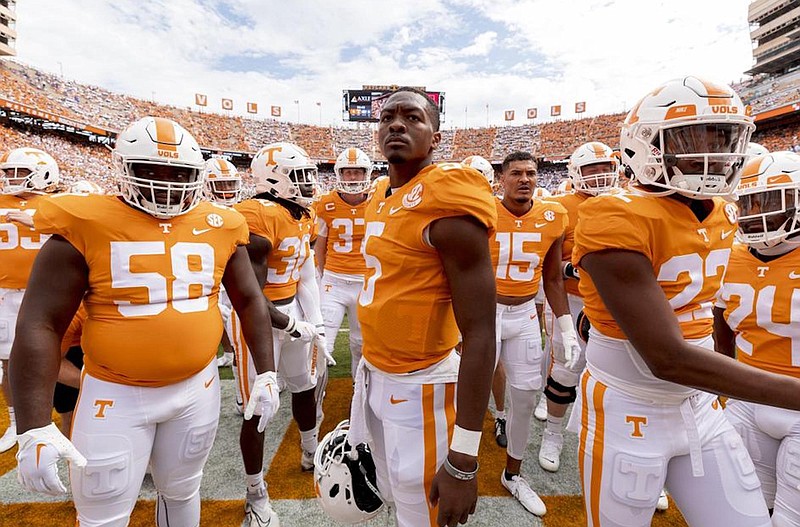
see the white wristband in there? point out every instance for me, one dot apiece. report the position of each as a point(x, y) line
point(465, 441)
point(290, 325)
point(565, 324)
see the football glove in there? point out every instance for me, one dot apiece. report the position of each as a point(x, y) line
point(265, 397)
point(570, 271)
point(322, 345)
point(572, 350)
point(39, 451)
point(300, 329)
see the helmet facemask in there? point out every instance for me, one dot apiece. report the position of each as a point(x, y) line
point(145, 185)
point(769, 217)
point(597, 178)
point(224, 190)
point(352, 180)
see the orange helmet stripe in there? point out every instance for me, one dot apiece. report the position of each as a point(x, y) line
point(352, 156)
point(717, 94)
point(223, 167)
point(165, 134)
point(599, 151)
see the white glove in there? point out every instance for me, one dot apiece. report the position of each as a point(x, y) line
point(265, 397)
point(322, 345)
point(300, 329)
point(39, 451)
point(572, 350)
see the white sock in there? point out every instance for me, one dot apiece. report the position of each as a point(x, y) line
point(499, 414)
point(554, 424)
point(308, 440)
point(12, 417)
point(255, 482)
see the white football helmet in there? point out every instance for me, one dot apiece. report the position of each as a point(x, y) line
point(688, 136)
point(344, 478)
point(604, 175)
point(150, 144)
point(27, 170)
point(353, 158)
point(84, 186)
point(541, 193)
point(285, 171)
point(223, 182)
point(755, 149)
point(565, 187)
point(769, 201)
point(482, 165)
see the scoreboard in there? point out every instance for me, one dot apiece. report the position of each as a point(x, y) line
point(365, 104)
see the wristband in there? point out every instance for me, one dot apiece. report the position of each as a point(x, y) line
point(465, 441)
point(570, 271)
point(458, 473)
point(566, 325)
point(290, 325)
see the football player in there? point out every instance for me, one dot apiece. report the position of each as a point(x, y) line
point(428, 276)
point(650, 264)
point(526, 249)
point(281, 229)
point(148, 265)
point(340, 223)
point(593, 170)
point(25, 174)
point(756, 319)
point(224, 187)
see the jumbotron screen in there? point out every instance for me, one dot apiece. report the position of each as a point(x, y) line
point(365, 104)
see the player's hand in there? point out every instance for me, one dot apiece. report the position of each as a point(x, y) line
point(39, 451)
point(321, 342)
point(20, 217)
point(456, 498)
point(265, 397)
point(572, 350)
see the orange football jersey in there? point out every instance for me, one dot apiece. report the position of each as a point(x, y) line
point(153, 317)
point(688, 256)
point(521, 243)
point(344, 229)
point(19, 244)
point(405, 308)
point(290, 240)
point(570, 202)
point(72, 337)
point(762, 306)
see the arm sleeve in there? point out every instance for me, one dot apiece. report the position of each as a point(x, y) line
point(308, 292)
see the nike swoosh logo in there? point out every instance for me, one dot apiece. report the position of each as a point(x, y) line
point(725, 234)
point(197, 232)
point(394, 210)
point(540, 225)
point(794, 276)
point(396, 401)
point(39, 448)
point(209, 382)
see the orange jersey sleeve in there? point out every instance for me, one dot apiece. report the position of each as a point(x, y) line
point(405, 308)
point(342, 225)
point(19, 244)
point(570, 202)
point(688, 256)
point(72, 337)
point(290, 240)
point(152, 313)
point(761, 303)
point(521, 243)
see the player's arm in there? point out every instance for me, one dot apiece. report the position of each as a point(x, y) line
point(257, 251)
point(630, 291)
point(321, 252)
point(463, 246)
point(554, 279)
point(724, 338)
point(250, 304)
point(56, 286)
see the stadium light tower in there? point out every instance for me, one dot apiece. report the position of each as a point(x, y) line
point(297, 103)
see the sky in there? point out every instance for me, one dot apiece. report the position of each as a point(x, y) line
point(487, 56)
